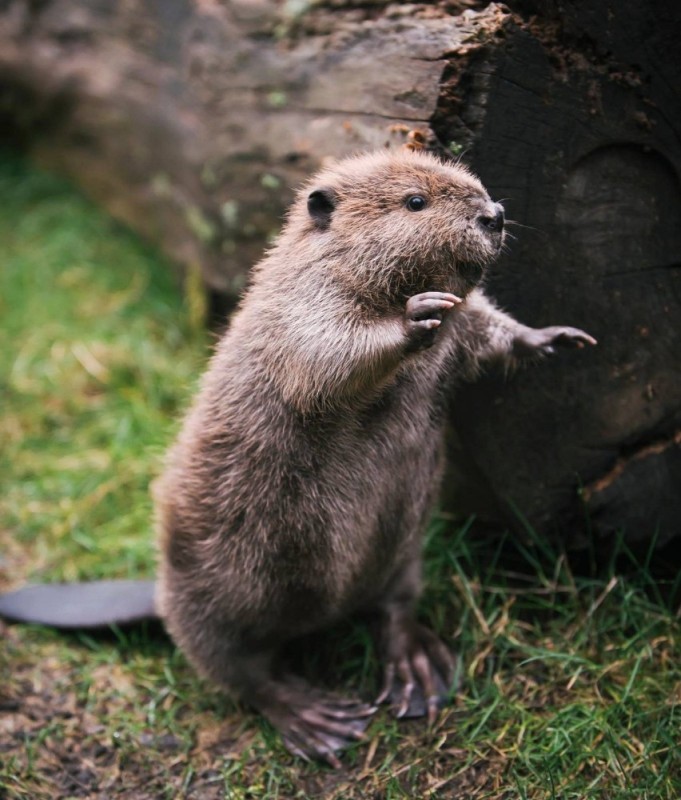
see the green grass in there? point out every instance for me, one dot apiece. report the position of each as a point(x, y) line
point(570, 682)
point(96, 359)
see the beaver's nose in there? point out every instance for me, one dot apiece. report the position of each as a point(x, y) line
point(493, 222)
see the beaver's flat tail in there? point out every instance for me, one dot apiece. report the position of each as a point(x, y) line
point(97, 604)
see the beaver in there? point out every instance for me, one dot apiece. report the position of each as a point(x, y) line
point(300, 486)
point(301, 483)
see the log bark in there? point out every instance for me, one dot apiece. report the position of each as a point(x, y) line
point(193, 121)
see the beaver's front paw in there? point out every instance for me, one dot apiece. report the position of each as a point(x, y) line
point(423, 316)
point(544, 341)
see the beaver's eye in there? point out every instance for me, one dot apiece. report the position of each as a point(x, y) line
point(416, 202)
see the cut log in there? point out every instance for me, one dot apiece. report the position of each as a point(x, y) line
point(193, 122)
point(584, 141)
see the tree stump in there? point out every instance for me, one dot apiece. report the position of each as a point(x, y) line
point(193, 121)
point(580, 130)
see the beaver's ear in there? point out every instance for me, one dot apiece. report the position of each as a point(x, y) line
point(321, 204)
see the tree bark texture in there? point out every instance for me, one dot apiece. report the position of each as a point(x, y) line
point(193, 120)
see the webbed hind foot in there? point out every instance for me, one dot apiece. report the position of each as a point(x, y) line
point(313, 724)
point(419, 671)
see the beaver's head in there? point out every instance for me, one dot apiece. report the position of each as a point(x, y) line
point(401, 223)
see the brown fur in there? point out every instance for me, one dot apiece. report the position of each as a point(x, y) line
point(299, 488)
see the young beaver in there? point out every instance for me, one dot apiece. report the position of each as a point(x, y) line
point(301, 484)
